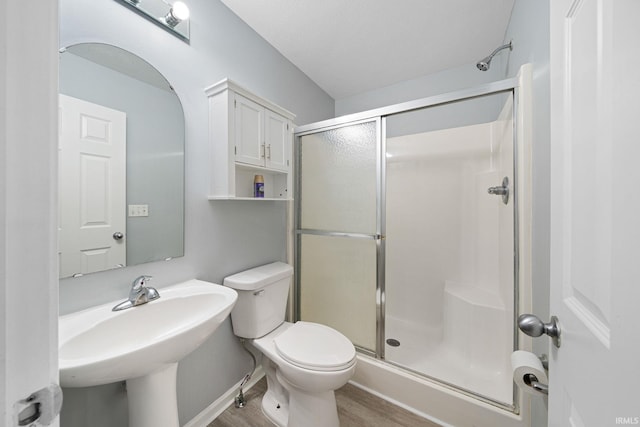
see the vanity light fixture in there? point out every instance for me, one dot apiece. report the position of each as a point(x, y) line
point(173, 17)
point(178, 13)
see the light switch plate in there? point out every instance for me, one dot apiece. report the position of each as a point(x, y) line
point(138, 210)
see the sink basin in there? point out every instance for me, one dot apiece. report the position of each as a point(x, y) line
point(142, 344)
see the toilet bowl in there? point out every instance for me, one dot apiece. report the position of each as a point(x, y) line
point(304, 362)
point(309, 361)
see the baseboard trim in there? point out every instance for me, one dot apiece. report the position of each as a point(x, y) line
point(211, 412)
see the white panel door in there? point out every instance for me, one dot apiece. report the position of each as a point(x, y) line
point(92, 187)
point(249, 128)
point(28, 196)
point(595, 212)
point(277, 138)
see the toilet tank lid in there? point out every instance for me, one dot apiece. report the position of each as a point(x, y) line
point(259, 277)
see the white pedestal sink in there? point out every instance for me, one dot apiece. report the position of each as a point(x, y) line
point(142, 346)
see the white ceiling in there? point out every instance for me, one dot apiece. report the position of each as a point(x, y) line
point(353, 46)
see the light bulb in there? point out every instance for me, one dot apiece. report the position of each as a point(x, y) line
point(180, 11)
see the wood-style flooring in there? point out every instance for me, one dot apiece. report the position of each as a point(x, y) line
point(356, 408)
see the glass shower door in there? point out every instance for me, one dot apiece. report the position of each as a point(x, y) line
point(338, 229)
point(450, 244)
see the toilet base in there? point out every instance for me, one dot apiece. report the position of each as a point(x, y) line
point(286, 405)
point(274, 409)
point(302, 410)
point(310, 409)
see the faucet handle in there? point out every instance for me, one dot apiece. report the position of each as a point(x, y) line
point(140, 282)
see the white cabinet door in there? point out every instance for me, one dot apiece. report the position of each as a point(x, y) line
point(92, 187)
point(277, 137)
point(595, 207)
point(249, 131)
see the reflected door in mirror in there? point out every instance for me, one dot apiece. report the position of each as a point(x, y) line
point(92, 159)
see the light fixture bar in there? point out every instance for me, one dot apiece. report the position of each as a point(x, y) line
point(173, 17)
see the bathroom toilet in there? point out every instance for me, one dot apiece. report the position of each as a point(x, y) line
point(304, 362)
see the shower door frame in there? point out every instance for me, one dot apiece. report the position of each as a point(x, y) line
point(379, 115)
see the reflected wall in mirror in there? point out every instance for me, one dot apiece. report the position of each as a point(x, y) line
point(121, 162)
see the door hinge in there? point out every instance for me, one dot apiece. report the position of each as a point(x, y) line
point(235, 103)
point(235, 150)
point(40, 408)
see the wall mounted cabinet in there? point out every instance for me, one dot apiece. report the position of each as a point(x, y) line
point(248, 136)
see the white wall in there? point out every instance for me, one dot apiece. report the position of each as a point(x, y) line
point(221, 237)
point(433, 84)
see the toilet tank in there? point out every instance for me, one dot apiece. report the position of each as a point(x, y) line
point(262, 299)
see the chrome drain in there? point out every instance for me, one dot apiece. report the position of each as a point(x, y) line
point(393, 342)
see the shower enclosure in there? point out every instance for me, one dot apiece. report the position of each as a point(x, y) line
point(406, 236)
point(449, 265)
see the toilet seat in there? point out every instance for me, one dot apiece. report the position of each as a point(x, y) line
point(315, 347)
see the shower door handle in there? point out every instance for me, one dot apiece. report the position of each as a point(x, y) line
point(502, 190)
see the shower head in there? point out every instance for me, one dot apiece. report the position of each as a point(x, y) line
point(485, 63)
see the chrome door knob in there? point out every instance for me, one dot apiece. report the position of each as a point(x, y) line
point(534, 327)
point(118, 235)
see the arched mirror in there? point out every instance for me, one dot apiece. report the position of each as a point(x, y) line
point(121, 161)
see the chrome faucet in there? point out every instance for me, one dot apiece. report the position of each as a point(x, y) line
point(139, 294)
